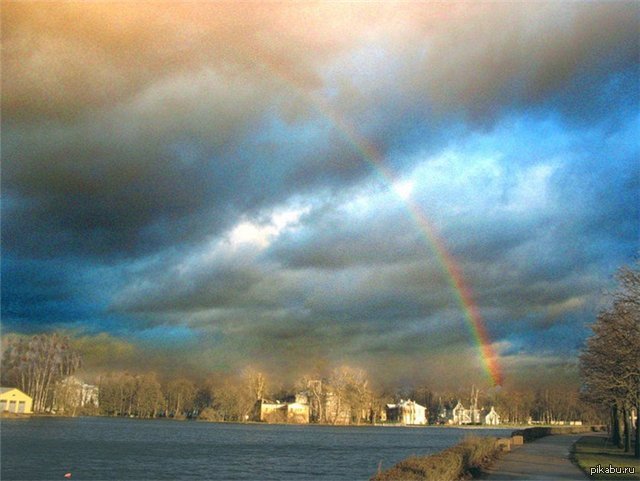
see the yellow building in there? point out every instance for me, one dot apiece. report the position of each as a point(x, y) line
point(15, 401)
point(277, 412)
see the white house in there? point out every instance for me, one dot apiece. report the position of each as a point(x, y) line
point(282, 412)
point(492, 417)
point(71, 393)
point(461, 415)
point(407, 412)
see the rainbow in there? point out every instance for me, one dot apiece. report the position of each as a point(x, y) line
point(462, 291)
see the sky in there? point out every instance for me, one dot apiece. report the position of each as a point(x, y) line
point(435, 192)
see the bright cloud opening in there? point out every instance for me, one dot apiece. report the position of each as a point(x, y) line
point(262, 234)
point(404, 188)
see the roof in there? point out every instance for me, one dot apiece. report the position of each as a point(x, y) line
point(403, 403)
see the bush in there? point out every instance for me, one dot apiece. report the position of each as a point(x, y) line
point(479, 451)
point(452, 464)
point(531, 434)
point(210, 414)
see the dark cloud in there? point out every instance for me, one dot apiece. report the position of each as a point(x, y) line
point(38, 294)
point(205, 287)
point(225, 176)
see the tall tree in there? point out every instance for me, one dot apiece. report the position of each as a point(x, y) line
point(256, 383)
point(180, 394)
point(37, 364)
point(148, 396)
point(349, 393)
point(312, 385)
point(610, 362)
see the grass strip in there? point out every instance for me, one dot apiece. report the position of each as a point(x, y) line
point(593, 451)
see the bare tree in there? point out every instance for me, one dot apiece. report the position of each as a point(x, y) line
point(349, 395)
point(37, 364)
point(314, 389)
point(236, 400)
point(610, 363)
point(256, 383)
point(148, 396)
point(180, 394)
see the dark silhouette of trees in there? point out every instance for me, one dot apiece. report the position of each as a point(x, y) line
point(610, 362)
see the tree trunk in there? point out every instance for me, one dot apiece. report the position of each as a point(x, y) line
point(615, 426)
point(627, 429)
point(335, 417)
point(637, 450)
point(176, 413)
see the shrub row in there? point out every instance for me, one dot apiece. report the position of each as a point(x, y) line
point(452, 464)
point(531, 434)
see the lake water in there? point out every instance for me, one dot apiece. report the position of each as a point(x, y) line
point(132, 449)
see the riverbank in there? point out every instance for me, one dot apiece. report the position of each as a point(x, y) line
point(478, 427)
point(466, 459)
point(475, 457)
point(8, 415)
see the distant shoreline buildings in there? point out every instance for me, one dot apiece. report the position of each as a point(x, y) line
point(333, 410)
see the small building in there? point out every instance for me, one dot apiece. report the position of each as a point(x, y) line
point(281, 412)
point(72, 393)
point(407, 412)
point(461, 415)
point(270, 411)
point(14, 400)
point(492, 417)
point(297, 413)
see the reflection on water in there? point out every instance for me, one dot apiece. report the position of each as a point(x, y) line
point(112, 448)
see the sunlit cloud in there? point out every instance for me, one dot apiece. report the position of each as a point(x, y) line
point(404, 189)
point(262, 234)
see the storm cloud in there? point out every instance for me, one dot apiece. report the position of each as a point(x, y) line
point(243, 183)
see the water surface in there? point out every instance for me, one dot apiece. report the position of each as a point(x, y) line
point(131, 449)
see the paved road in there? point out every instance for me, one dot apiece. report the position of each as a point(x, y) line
point(544, 459)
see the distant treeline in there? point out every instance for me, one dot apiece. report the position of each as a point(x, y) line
point(234, 399)
point(39, 366)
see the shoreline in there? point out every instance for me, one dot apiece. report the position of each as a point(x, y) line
point(482, 427)
point(261, 423)
point(474, 457)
